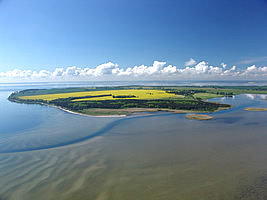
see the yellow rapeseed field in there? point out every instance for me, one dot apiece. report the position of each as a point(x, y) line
point(140, 94)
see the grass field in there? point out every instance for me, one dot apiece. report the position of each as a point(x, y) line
point(114, 95)
point(206, 95)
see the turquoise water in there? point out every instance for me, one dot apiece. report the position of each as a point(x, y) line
point(44, 150)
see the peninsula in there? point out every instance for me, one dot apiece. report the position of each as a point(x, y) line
point(126, 100)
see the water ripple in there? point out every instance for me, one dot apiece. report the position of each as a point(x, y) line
point(82, 139)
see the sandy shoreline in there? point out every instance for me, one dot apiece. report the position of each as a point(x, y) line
point(135, 111)
point(76, 113)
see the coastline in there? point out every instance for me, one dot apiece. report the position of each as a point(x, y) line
point(77, 113)
point(117, 112)
point(131, 111)
point(134, 111)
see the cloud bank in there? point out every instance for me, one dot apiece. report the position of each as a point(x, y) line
point(158, 70)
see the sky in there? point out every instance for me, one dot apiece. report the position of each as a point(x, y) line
point(126, 39)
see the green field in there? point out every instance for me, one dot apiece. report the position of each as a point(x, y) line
point(206, 95)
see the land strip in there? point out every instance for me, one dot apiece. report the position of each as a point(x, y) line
point(126, 100)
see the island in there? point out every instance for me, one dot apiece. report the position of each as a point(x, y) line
point(127, 100)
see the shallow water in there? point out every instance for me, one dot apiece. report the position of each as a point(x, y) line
point(161, 156)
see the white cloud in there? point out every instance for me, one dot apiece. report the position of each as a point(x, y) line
point(169, 70)
point(230, 72)
point(255, 71)
point(159, 70)
point(72, 71)
point(16, 73)
point(223, 65)
point(58, 72)
point(190, 62)
point(105, 69)
point(155, 69)
point(41, 74)
point(233, 68)
point(201, 69)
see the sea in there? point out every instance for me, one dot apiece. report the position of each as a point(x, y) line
point(46, 153)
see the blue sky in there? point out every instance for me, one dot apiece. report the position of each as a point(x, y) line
point(44, 35)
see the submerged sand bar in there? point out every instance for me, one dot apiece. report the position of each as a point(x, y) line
point(198, 117)
point(256, 109)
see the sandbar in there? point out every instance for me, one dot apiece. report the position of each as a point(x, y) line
point(198, 117)
point(256, 109)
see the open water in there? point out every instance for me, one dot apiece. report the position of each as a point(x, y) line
point(46, 153)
